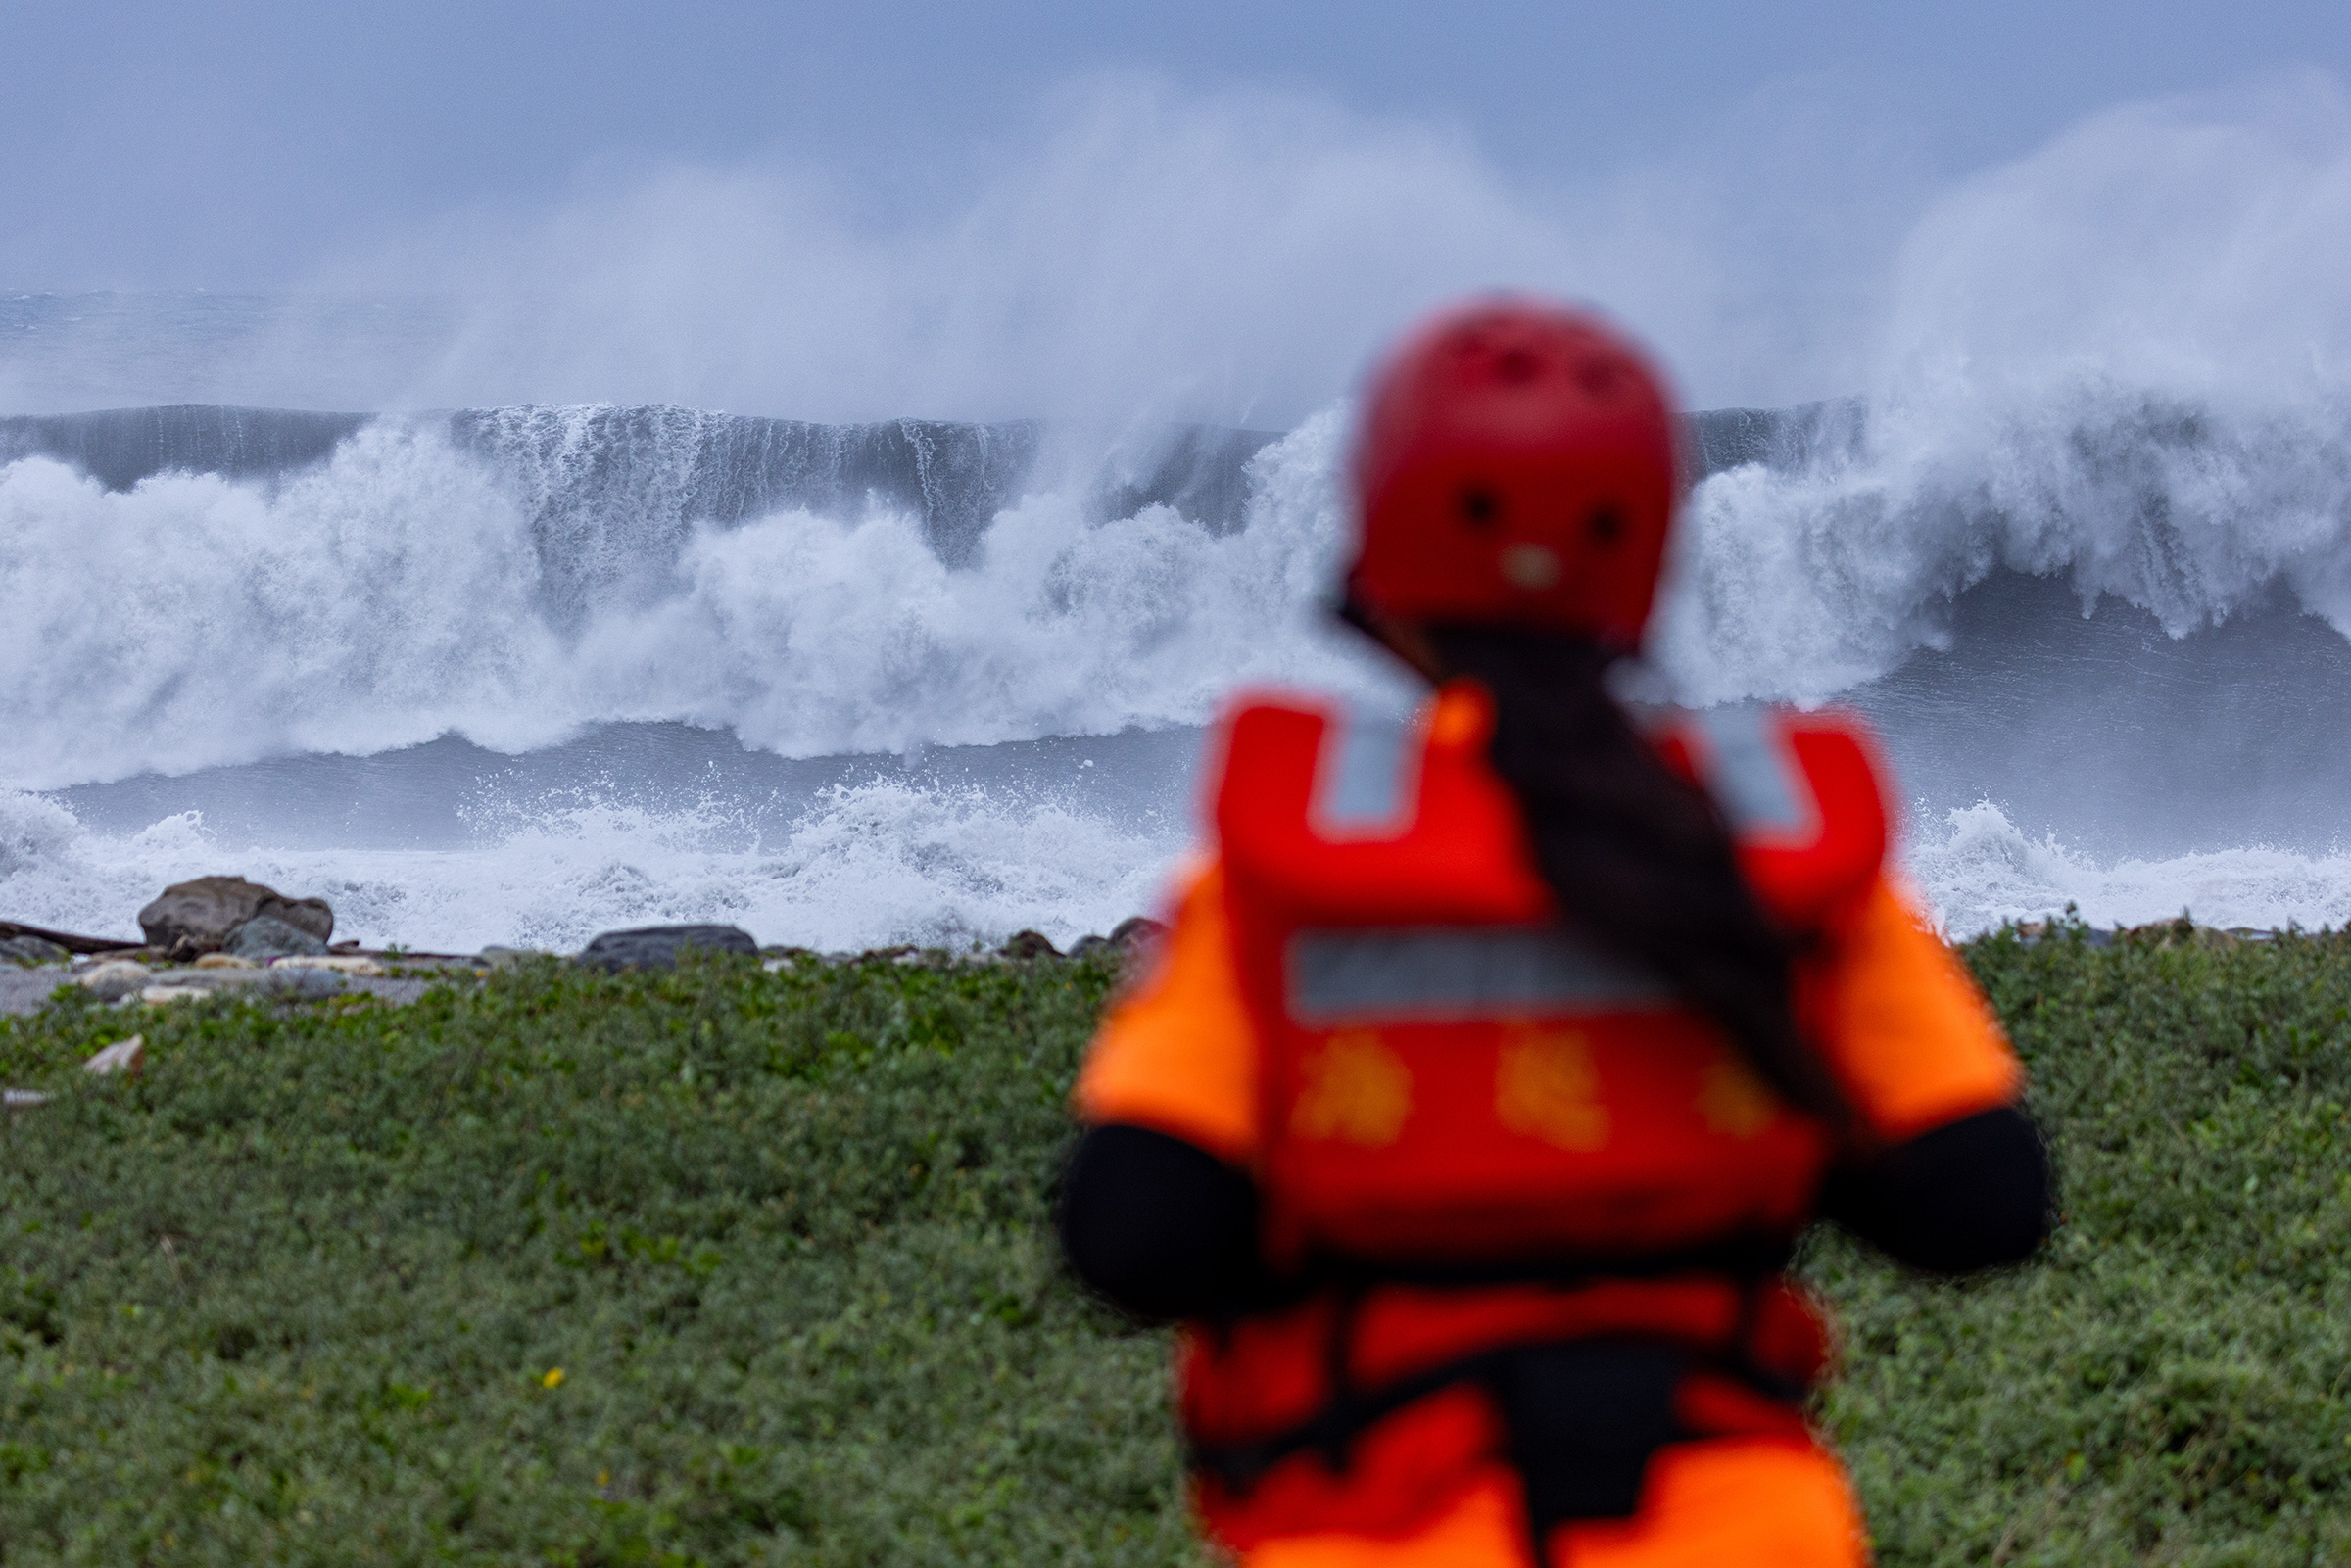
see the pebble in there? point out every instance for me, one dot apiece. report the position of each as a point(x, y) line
point(124, 1056)
point(335, 962)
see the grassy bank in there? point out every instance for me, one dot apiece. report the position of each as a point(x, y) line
point(729, 1267)
point(2173, 1382)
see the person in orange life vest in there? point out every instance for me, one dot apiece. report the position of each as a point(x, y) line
point(1491, 1068)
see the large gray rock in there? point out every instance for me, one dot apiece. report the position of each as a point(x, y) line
point(656, 947)
point(303, 985)
point(267, 936)
point(190, 919)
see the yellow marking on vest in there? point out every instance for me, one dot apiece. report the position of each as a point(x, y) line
point(1546, 1087)
point(1355, 1089)
point(1454, 721)
point(1733, 1101)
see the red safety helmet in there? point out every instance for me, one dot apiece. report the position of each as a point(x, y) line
point(1515, 464)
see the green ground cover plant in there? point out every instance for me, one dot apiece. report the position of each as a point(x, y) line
point(730, 1266)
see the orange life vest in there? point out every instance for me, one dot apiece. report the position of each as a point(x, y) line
point(1515, 1148)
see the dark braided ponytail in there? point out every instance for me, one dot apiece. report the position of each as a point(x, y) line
point(1639, 859)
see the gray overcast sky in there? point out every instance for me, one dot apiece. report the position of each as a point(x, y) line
point(456, 149)
point(167, 142)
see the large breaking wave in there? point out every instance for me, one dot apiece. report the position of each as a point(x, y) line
point(190, 587)
point(2099, 646)
point(513, 575)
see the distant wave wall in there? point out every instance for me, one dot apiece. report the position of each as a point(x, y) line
point(612, 493)
point(687, 462)
point(187, 587)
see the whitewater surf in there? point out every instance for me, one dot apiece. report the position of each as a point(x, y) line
point(516, 674)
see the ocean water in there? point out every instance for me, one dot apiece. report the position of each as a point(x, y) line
point(519, 675)
point(2078, 544)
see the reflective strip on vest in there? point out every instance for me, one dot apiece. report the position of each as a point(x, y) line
point(1366, 776)
point(1751, 774)
point(1452, 971)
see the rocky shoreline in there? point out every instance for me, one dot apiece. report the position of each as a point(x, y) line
point(225, 935)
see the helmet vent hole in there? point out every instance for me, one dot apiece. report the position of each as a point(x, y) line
point(1481, 506)
point(1598, 378)
point(1516, 366)
point(1607, 526)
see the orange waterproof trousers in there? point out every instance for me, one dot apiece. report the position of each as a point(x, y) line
point(1730, 1502)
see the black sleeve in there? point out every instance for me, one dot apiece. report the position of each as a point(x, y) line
point(1159, 1227)
point(1971, 1193)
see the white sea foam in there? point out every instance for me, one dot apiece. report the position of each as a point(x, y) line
point(193, 620)
point(810, 636)
point(1979, 871)
point(865, 867)
point(391, 596)
point(888, 862)
point(2124, 361)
